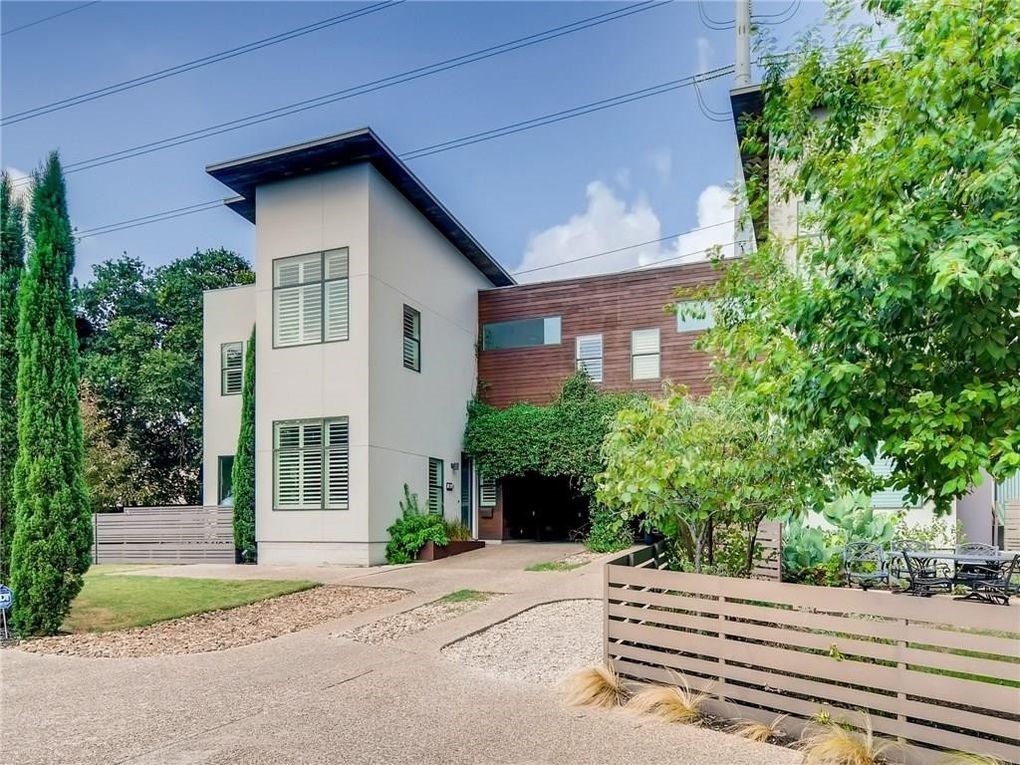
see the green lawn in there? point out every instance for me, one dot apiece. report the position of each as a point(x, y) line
point(111, 601)
point(555, 565)
point(461, 596)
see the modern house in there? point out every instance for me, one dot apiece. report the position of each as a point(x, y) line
point(379, 317)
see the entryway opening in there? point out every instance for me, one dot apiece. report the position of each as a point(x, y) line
point(543, 509)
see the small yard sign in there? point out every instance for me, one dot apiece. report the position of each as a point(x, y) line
point(6, 601)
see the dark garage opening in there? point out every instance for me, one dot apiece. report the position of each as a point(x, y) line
point(543, 509)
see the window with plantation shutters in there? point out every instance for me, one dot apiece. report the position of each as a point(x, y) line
point(231, 368)
point(311, 467)
point(412, 339)
point(589, 356)
point(644, 354)
point(311, 300)
point(435, 486)
point(486, 491)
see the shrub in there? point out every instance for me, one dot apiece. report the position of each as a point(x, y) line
point(412, 530)
point(609, 531)
point(243, 474)
point(456, 531)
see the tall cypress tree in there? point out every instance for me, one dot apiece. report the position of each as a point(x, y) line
point(52, 530)
point(12, 262)
point(242, 477)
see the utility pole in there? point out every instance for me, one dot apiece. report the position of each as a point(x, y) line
point(743, 61)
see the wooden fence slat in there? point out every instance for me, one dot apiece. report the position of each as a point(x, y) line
point(172, 534)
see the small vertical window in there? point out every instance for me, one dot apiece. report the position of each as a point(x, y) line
point(435, 486)
point(231, 368)
point(644, 354)
point(589, 356)
point(225, 480)
point(412, 339)
point(486, 491)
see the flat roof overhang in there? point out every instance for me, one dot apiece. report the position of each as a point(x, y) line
point(245, 174)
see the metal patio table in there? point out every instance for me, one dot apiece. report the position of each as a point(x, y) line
point(989, 577)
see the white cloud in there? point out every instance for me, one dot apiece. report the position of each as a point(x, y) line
point(705, 52)
point(21, 185)
point(610, 223)
point(662, 162)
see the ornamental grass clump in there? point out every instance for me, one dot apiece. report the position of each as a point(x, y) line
point(755, 730)
point(671, 703)
point(598, 686)
point(838, 744)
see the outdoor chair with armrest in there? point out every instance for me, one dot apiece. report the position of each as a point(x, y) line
point(864, 564)
point(924, 576)
point(970, 572)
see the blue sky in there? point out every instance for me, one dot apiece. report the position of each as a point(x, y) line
point(596, 182)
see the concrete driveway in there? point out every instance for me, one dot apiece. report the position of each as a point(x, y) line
point(311, 697)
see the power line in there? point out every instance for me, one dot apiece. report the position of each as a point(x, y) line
point(187, 66)
point(456, 143)
point(47, 18)
point(660, 240)
point(762, 19)
point(369, 87)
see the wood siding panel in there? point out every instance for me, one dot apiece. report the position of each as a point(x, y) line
point(612, 305)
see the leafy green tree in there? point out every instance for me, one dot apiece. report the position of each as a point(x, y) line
point(685, 465)
point(899, 332)
point(111, 468)
point(243, 474)
point(12, 263)
point(142, 355)
point(53, 532)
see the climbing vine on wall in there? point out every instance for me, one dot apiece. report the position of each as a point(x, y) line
point(563, 438)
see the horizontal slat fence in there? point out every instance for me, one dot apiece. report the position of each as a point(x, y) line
point(770, 539)
point(936, 673)
point(164, 535)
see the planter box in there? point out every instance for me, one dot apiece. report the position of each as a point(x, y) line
point(432, 551)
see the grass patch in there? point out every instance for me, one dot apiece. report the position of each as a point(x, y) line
point(109, 601)
point(464, 596)
point(554, 565)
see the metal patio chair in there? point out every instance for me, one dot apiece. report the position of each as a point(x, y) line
point(924, 575)
point(864, 564)
point(970, 572)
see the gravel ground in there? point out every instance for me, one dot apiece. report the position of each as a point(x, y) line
point(541, 645)
point(409, 622)
point(582, 557)
point(218, 630)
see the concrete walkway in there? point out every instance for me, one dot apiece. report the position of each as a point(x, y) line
point(310, 697)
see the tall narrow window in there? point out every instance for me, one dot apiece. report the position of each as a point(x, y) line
point(412, 339)
point(231, 368)
point(644, 354)
point(311, 298)
point(225, 479)
point(435, 486)
point(311, 464)
point(589, 355)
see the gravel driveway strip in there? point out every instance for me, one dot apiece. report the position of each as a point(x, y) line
point(542, 645)
point(218, 630)
point(416, 620)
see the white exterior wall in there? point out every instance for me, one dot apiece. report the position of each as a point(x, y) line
point(227, 317)
point(303, 215)
point(416, 415)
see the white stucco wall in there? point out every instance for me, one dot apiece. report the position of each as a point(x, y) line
point(416, 415)
point(305, 215)
point(227, 317)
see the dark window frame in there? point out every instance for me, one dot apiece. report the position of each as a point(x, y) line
point(439, 487)
point(324, 449)
point(322, 281)
point(410, 338)
point(224, 369)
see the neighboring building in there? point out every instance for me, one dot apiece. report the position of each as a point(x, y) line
point(371, 302)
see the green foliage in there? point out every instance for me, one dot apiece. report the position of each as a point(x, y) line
point(53, 529)
point(553, 565)
point(936, 534)
point(111, 468)
point(684, 465)
point(457, 531)
point(609, 530)
point(465, 596)
point(562, 439)
point(900, 330)
point(412, 530)
point(12, 263)
point(142, 355)
point(814, 555)
point(242, 477)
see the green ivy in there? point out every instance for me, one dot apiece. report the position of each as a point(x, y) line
point(561, 439)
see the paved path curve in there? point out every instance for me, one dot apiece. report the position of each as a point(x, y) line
point(311, 698)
